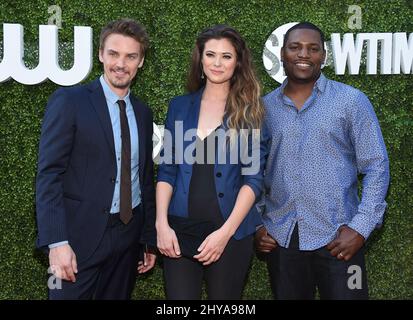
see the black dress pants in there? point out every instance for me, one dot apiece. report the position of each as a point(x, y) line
point(110, 273)
point(296, 274)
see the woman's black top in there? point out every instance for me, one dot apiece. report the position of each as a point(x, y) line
point(202, 201)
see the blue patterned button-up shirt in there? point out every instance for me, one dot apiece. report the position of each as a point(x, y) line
point(316, 154)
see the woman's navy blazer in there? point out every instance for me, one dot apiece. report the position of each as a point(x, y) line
point(177, 171)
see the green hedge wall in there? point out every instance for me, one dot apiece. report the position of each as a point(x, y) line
point(173, 26)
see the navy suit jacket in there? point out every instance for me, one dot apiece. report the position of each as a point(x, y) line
point(77, 168)
point(227, 176)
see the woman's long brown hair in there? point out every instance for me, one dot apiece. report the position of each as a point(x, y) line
point(244, 109)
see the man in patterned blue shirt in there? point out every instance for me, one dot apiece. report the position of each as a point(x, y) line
point(324, 133)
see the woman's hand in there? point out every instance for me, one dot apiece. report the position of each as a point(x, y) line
point(213, 246)
point(167, 241)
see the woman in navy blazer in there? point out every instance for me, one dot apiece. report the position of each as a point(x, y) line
point(212, 169)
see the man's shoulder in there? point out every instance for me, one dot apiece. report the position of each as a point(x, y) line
point(344, 90)
point(270, 98)
point(140, 103)
point(67, 99)
point(347, 98)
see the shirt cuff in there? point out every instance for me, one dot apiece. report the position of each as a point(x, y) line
point(255, 189)
point(58, 244)
point(361, 224)
point(164, 178)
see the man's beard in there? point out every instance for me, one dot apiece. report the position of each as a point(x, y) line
point(120, 84)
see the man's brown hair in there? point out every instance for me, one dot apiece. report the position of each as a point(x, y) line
point(125, 27)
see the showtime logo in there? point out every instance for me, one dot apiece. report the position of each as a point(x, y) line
point(396, 52)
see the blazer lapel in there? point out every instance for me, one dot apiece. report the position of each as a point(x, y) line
point(191, 121)
point(98, 100)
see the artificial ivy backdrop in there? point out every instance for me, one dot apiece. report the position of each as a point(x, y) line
point(173, 27)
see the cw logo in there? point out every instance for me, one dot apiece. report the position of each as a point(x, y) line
point(12, 65)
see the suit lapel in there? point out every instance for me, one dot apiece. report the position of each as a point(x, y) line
point(98, 101)
point(141, 123)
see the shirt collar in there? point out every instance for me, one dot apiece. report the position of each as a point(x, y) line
point(320, 84)
point(110, 95)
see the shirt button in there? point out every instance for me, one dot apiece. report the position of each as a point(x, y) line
point(219, 174)
point(221, 195)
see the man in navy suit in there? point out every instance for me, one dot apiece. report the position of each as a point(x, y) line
point(95, 195)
